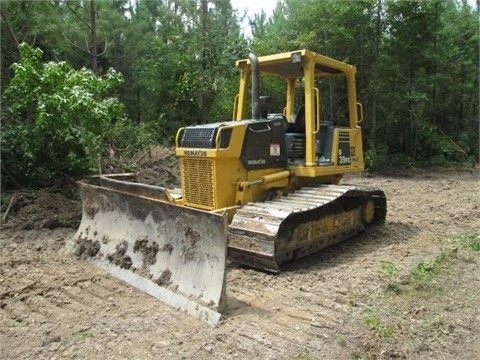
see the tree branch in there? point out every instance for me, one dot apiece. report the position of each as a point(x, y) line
point(105, 50)
point(73, 44)
point(78, 16)
point(455, 145)
point(10, 30)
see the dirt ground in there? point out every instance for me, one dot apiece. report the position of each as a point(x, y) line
point(408, 290)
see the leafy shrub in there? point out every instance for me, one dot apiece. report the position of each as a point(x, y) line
point(54, 119)
point(377, 157)
point(130, 137)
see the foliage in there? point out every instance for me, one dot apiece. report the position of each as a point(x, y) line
point(417, 67)
point(422, 279)
point(469, 241)
point(130, 137)
point(423, 290)
point(54, 119)
point(388, 268)
point(381, 329)
point(417, 76)
point(180, 61)
point(424, 272)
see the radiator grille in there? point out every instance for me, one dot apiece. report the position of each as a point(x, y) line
point(199, 137)
point(197, 182)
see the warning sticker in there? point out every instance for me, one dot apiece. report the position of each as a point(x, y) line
point(274, 149)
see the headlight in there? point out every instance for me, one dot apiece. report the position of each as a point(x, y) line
point(296, 58)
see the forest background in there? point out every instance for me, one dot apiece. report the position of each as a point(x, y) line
point(80, 79)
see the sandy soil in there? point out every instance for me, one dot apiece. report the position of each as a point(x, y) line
point(408, 290)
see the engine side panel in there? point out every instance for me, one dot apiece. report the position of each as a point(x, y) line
point(264, 146)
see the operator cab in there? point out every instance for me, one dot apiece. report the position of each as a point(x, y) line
point(315, 142)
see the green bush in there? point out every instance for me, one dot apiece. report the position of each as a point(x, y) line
point(131, 137)
point(54, 119)
point(377, 158)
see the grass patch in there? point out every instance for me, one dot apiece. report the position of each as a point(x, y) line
point(421, 297)
point(372, 321)
point(381, 329)
point(388, 268)
point(424, 272)
point(84, 334)
point(421, 277)
point(473, 247)
point(470, 242)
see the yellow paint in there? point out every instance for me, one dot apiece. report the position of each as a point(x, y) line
point(215, 178)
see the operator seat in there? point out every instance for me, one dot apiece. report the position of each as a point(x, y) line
point(300, 120)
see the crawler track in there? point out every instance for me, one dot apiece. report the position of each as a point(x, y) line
point(265, 235)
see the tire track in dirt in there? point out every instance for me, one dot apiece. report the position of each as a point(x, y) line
point(308, 305)
point(303, 315)
point(64, 302)
point(53, 305)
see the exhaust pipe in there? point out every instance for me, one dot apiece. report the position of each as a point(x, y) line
point(255, 86)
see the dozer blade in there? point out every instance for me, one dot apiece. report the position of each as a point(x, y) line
point(174, 253)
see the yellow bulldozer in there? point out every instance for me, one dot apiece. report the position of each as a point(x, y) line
point(263, 189)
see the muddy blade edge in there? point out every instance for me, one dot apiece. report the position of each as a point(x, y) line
point(174, 253)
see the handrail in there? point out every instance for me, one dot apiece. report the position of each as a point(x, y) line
point(267, 128)
point(179, 131)
point(360, 106)
point(235, 106)
point(317, 98)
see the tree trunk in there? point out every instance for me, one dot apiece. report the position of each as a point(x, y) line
point(93, 38)
point(10, 30)
point(203, 89)
point(434, 90)
point(411, 110)
point(378, 38)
